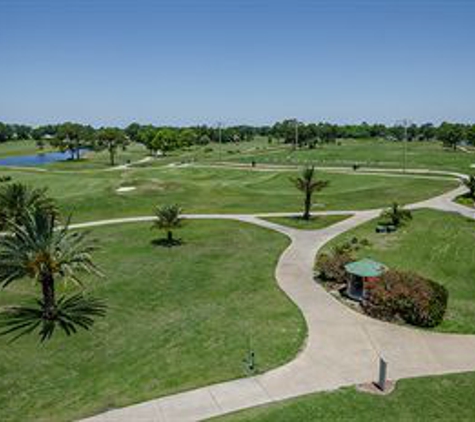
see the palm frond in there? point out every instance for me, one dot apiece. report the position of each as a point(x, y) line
point(72, 313)
point(38, 245)
point(168, 217)
point(17, 199)
point(306, 182)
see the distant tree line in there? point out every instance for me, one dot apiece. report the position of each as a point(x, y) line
point(309, 135)
point(73, 137)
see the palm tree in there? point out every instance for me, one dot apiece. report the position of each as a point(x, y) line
point(307, 184)
point(396, 215)
point(470, 185)
point(168, 218)
point(40, 250)
point(17, 199)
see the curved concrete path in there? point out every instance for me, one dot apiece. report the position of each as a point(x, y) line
point(342, 348)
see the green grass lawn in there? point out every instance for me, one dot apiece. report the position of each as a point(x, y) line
point(92, 195)
point(443, 398)
point(178, 318)
point(11, 148)
point(437, 245)
point(89, 160)
point(98, 160)
point(466, 200)
point(315, 222)
point(371, 153)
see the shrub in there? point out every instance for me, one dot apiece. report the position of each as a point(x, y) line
point(4, 179)
point(408, 297)
point(331, 267)
point(395, 216)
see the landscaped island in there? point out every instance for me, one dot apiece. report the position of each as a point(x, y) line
point(436, 245)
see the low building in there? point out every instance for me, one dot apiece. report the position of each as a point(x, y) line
point(362, 275)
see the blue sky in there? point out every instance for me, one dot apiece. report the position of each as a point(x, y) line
point(242, 61)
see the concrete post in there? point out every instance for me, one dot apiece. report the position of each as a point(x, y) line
point(383, 369)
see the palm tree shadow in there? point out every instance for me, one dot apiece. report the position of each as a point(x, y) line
point(163, 242)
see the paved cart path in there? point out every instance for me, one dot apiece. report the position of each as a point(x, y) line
point(343, 347)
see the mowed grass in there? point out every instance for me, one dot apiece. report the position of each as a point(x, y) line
point(315, 222)
point(93, 195)
point(178, 318)
point(95, 160)
point(437, 245)
point(443, 398)
point(11, 148)
point(89, 160)
point(372, 153)
point(92, 160)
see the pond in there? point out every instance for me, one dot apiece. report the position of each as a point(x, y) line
point(35, 160)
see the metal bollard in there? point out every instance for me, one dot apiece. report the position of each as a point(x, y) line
point(383, 369)
point(252, 361)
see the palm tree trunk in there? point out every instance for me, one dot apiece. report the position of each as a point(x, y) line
point(307, 205)
point(112, 156)
point(47, 284)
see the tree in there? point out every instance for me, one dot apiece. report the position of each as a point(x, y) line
point(132, 131)
point(165, 140)
point(396, 215)
point(326, 132)
point(470, 185)
point(6, 132)
point(307, 184)
point(111, 138)
point(450, 134)
point(168, 219)
point(40, 132)
point(204, 139)
point(22, 131)
point(17, 200)
point(186, 137)
point(427, 132)
point(40, 250)
point(146, 136)
point(72, 137)
point(40, 144)
point(471, 135)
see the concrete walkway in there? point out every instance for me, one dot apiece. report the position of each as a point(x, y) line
point(343, 347)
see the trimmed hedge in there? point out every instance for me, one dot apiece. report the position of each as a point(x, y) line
point(408, 297)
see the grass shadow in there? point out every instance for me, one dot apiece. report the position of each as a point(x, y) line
point(166, 243)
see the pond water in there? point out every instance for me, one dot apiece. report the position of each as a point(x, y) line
point(34, 160)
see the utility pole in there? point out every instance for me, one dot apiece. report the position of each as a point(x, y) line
point(405, 123)
point(296, 140)
point(219, 140)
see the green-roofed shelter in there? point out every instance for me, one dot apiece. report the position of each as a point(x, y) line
point(363, 274)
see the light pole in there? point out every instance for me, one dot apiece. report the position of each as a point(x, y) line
point(219, 140)
point(405, 123)
point(296, 139)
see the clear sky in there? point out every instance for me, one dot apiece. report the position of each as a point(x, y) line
point(237, 61)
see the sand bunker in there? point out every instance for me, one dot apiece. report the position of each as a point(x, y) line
point(126, 189)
